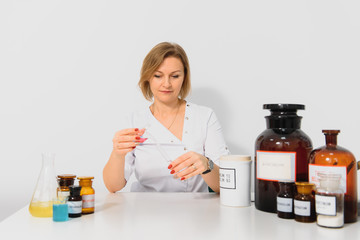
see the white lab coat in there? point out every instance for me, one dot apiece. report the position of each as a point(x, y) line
point(149, 161)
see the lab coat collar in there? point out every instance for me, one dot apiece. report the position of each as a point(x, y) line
point(160, 132)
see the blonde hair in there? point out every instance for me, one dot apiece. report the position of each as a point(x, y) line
point(154, 59)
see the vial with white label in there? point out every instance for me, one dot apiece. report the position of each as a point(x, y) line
point(329, 199)
point(304, 202)
point(285, 200)
point(88, 195)
point(74, 202)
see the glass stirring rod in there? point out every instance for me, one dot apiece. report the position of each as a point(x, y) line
point(158, 146)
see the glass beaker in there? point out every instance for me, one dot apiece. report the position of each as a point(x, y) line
point(45, 191)
point(60, 209)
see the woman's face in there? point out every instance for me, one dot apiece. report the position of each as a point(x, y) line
point(167, 80)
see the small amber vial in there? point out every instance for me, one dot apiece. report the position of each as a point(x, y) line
point(74, 202)
point(65, 180)
point(304, 202)
point(88, 195)
point(285, 200)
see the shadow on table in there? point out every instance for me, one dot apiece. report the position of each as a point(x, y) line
point(206, 196)
point(111, 200)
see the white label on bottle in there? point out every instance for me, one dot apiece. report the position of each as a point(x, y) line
point(74, 207)
point(227, 178)
point(276, 166)
point(325, 205)
point(302, 208)
point(315, 169)
point(63, 194)
point(284, 204)
point(88, 201)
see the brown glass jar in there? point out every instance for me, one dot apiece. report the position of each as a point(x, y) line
point(65, 180)
point(304, 202)
point(337, 160)
point(285, 200)
point(281, 153)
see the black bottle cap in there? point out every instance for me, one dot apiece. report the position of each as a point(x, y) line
point(285, 107)
point(75, 190)
point(283, 117)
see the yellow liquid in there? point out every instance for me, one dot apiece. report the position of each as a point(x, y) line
point(41, 209)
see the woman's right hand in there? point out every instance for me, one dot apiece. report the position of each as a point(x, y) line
point(126, 140)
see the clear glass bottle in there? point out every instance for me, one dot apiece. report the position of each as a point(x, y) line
point(332, 158)
point(88, 195)
point(281, 153)
point(329, 201)
point(285, 200)
point(41, 204)
point(304, 202)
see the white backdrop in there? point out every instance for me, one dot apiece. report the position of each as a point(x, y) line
point(69, 71)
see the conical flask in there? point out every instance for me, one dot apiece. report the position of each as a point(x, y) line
point(42, 200)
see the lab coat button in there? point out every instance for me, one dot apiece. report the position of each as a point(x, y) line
point(187, 118)
point(185, 148)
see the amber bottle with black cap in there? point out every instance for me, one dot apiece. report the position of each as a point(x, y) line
point(74, 202)
point(281, 154)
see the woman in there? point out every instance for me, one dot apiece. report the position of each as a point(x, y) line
point(174, 145)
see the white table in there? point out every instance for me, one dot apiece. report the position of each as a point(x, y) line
point(168, 216)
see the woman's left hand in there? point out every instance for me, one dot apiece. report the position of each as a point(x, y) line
point(188, 165)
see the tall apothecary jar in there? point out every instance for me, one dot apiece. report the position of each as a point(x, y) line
point(281, 154)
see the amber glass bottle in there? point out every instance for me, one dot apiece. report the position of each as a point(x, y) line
point(334, 159)
point(304, 202)
point(282, 153)
point(88, 195)
point(74, 202)
point(65, 180)
point(285, 200)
